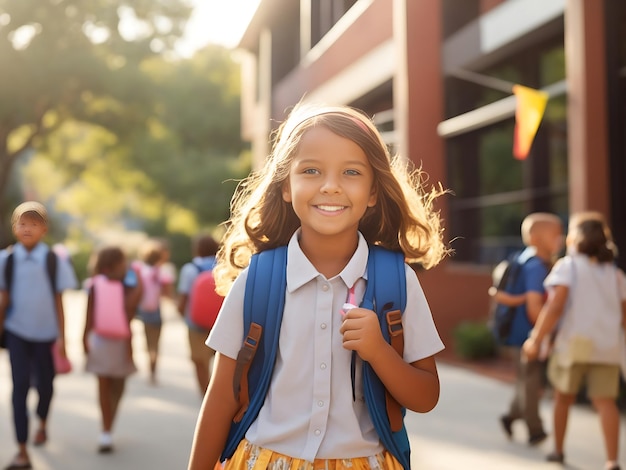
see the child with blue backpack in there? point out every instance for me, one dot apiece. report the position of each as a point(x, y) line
point(335, 216)
point(542, 235)
point(205, 248)
point(32, 281)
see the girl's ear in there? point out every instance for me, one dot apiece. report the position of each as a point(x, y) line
point(373, 197)
point(286, 189)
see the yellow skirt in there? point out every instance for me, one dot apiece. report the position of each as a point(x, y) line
point(251, 457)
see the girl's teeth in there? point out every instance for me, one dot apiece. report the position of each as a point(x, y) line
point(331, 208)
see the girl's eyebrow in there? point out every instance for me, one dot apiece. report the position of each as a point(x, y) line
point(313, 161)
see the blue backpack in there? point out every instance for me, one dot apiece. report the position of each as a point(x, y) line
point(264, 302)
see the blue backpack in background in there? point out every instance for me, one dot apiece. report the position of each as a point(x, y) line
point(505, 276)
point(264, 303)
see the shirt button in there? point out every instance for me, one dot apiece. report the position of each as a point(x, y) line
point(323, 326)
point(318, 432)
point(322, 366)
point(320, 403)
point(325, 287)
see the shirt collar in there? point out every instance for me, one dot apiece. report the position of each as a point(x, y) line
point(300, 270)
point(526, 254)
point(38, 252)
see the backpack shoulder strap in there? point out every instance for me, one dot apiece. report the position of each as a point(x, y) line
point(51, 269)
point(8, 271)
point(510, 275)
point(386, 295)
point(264, 302)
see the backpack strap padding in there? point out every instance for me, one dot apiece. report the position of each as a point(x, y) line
point(386, 293)
point(264, 302)
point(383, 266)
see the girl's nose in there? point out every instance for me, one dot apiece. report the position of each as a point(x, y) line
point(330, 185)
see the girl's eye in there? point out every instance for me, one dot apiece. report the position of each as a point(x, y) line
point(352, 172)
point(310, 171)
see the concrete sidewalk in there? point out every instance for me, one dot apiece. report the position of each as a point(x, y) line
point(156, 423)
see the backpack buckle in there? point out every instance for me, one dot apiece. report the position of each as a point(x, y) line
point(251, 343)
point(244, 360)
point(394, 323)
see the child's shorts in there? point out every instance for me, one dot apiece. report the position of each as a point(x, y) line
point(251, 457)
point(602, 380)
point(198, 349)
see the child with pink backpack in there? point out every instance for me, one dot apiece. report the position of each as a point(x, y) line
point(156, 282)
point(113, 298)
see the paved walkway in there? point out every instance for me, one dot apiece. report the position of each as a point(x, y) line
point(155, 424)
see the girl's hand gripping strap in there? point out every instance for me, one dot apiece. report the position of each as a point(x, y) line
point(244, 359)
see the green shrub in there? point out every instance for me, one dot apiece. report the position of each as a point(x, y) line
point(474, 340)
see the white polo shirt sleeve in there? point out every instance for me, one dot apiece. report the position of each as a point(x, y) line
point(421, 339)
point(227, 334)
point(561, 274)
point(66, 277)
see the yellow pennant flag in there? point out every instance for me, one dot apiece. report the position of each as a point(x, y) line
point(529, 110)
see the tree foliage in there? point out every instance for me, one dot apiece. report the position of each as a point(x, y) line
point(125, 136)
point(77, 59)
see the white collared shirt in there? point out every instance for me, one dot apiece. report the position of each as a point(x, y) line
point(309, 412)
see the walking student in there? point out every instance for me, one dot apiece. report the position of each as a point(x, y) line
point(205, 248)
point(156, 282)
point(587, 300)
point(542, 234)
point(328, 191)
point(111, 305)
point(32, 280)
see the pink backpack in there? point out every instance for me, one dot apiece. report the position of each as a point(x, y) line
point(109, 314)
point(151, 281)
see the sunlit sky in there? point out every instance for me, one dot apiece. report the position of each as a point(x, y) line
point(216, 21)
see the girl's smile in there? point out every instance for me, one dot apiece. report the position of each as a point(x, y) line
point(332, 209)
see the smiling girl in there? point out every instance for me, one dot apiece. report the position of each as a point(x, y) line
point(328, 191)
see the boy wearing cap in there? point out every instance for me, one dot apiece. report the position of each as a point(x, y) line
point(32, 318)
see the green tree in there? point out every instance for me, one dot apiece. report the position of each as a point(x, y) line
point(169, 177)
point(192, 147)
point(76, 59)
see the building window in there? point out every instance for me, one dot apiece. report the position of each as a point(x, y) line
point(324, 15)
point(493, 192)
point(457, 14)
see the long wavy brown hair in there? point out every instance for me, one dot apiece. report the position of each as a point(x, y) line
point(403, 218)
